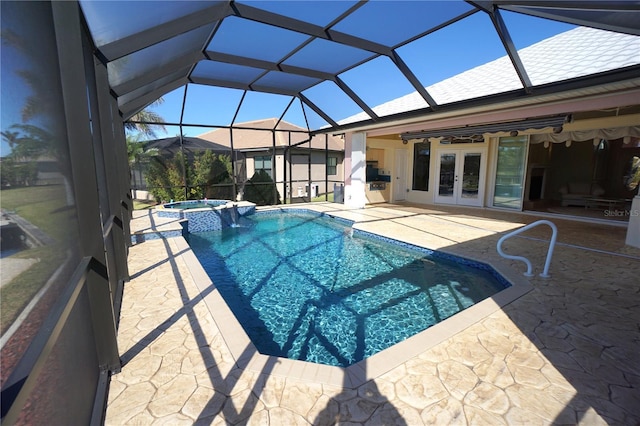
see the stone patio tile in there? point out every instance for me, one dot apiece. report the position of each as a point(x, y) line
point(204, 402)
point(171, 341)
point(613, 413)
point(173, 419)
point(421, 367)
point(541, 403)
point(377, 391)
point(116, 387)
point(625, 397)
point(420, 392)
point(457, 378)
point(466, 349)
point(140, 368)
point(170, 369)
point(560, 354)
point(325, 411)
point(241, 407)
point(586, 384)
point(494, 371)
point(357, 410)
point(476, 416)
point(489, 398)
point(591, 418)
point(270, 389)
point(300, 397)
point(601, 368)
point(261, 418)
point(497, 344)
point(525, 358)
point(172, 396)
point(395, 413)
point(519, 416)
point(448, 411)
point(528, 376)
point(279, 415)
point(142, 419)
point(129, 403)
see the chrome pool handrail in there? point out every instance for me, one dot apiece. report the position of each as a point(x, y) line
point(552, 243)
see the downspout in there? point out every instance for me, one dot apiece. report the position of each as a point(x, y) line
point(273, 167)
point(326, 165)
point(288, 149)
point(233, 164)
point(309, 167)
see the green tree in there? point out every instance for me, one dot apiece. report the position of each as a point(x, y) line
point(261, 189)
point(41, 105)
point(206, 176)
point(211, 176)
point(139, 157)
point(27, 145)
point(139, 122)
point(165, 178)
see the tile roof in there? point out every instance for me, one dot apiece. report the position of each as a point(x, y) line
point(248, 139)
point(574, 53)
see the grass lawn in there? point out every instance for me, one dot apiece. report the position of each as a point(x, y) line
point(142, 205)
point(44, 207)
point(321, 197)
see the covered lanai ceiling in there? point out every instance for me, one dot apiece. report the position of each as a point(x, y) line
point(314, 55)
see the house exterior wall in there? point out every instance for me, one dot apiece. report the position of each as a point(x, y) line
point(389, 145)
point(300, 171)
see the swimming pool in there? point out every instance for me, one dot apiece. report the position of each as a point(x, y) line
point(304, 286)
point(195, 204)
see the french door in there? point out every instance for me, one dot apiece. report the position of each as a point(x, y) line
point(460, 175)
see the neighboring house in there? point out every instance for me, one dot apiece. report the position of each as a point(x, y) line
point(516, 154)
point(301, 168)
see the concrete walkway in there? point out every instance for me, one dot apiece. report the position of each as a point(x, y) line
point(565, 352)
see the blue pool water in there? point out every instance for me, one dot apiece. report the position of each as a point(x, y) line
point(306, 287)
point(198, 204)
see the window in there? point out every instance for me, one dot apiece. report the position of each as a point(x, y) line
point(421, 160)
point(332, 166)
point(262, 163)
point(511, 165)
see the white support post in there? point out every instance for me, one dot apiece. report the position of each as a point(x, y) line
point(633, 229)
point(355, 145)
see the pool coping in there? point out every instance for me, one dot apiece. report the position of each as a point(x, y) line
point(247, 356)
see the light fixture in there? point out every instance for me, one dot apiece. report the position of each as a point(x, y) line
point(513, 133)
point(404, 141)
point(567, 143)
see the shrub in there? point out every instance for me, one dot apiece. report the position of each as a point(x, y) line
point(261, 189)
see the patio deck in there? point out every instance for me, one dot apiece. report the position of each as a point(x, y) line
point(565, 352)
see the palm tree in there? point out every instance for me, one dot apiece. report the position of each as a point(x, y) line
point(139, 122)
point(41, 105)
point(138, 155)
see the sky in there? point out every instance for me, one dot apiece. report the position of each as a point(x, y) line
point(440, 55)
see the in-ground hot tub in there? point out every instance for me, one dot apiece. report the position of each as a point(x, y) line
point(195, 204)
point(207, 215)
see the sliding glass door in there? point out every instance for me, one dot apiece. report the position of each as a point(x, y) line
point(510, 172)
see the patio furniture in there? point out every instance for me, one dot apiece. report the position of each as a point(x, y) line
point(608, 203)
point(576, 194)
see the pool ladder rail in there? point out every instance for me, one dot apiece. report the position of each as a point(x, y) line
point(552, 243)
